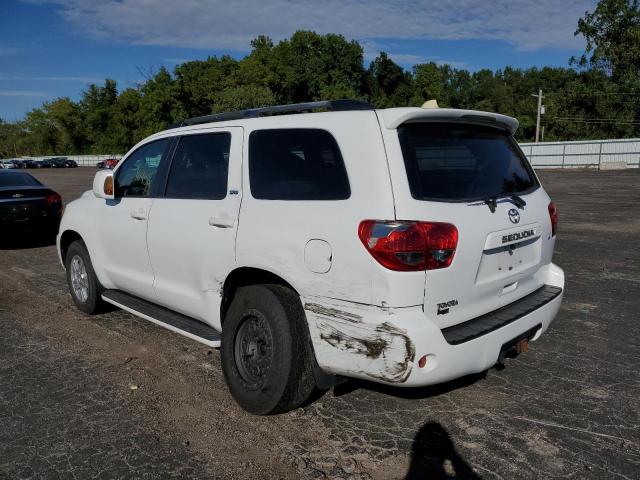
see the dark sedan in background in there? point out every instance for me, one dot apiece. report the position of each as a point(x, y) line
point(31, 164)
point(27, 206)
point(62, 162)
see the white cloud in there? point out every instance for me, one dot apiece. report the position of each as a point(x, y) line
point(212, 24)
point(23, 93)
point(373, 48)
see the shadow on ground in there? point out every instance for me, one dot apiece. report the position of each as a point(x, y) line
point(434, 456)
point(413, 393)
point(27, 242)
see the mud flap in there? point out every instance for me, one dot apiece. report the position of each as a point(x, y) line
point(324, 380)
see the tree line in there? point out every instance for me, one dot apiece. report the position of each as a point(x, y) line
point(595, 96)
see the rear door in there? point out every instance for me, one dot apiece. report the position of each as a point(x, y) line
point(477, 179)
point(192, 226)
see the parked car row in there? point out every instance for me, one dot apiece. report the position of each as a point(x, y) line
point(58, 162)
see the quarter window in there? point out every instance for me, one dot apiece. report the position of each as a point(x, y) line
point(200, 167)
point(135, 178)
point(296, 164)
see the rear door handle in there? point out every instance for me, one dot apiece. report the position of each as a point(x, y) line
point(222, 222)
point(138, 214)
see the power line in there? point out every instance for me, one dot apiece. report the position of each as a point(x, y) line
point(594, 121)
point(578, 94)
point(576, 117)
point(602, 94)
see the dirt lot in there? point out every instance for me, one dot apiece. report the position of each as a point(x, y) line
point(113, 396)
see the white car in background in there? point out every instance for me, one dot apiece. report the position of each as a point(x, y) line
point(7, 164)
point(405, 246)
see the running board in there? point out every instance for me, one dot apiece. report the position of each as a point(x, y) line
point(174, 321)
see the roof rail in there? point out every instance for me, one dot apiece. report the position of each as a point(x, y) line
point(331, 105)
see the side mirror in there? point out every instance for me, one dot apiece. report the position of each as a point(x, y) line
point(103, 186)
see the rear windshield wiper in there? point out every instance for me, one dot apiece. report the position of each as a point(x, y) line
point(517, 200)
point(492, 203)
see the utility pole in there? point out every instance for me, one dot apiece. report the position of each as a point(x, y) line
point(540, 97)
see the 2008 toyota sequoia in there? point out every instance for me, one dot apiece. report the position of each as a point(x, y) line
point(406, 246)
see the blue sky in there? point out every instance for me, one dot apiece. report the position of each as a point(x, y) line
point(54, 48)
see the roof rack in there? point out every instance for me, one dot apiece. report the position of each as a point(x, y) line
point(331, 105)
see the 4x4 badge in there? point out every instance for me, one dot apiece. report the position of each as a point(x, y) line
point(514, 215)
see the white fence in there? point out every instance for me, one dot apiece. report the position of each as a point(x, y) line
point(600, 154)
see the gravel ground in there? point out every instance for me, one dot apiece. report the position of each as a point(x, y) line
point(113, 396)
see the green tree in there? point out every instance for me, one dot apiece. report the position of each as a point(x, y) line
point(160, 104)
point(198, 83)
point(311, 64)
point(126, 124)
point(11, 139)
point(242, 97)
point(612, 32)
point(389, 84)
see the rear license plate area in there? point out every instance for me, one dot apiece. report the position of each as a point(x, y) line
point(507, 261)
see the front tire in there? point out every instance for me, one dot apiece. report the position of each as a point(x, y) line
point(83, 283)
point(266, 353)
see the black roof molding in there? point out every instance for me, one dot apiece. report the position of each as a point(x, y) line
point(330, 105)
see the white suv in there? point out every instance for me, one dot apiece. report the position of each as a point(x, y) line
point(406, 246)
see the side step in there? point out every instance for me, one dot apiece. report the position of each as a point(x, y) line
point(174, 321)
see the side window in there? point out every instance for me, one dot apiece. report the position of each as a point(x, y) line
point(135, 177)
point(200, 167)
point(296, 164)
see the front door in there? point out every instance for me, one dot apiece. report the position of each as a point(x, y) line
point(122, 222)
point(192, 227)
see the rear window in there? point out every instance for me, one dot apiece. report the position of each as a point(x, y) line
point(462, 163)
point(296, 164)
point(11, 179)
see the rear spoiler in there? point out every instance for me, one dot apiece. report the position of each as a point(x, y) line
point(394, 117)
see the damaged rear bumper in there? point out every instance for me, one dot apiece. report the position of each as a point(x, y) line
point(384, 344)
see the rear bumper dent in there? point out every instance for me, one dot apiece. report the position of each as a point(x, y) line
point(384, 345)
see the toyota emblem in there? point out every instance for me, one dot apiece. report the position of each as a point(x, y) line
point(514, 215)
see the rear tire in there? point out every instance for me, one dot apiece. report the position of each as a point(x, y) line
point(266, 354)
point(83, 283)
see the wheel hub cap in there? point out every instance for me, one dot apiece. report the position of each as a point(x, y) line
point(79, 279)
point(253, 350)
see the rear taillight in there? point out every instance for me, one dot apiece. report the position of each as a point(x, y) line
point(53, 199)
point(409, 246)
point(553, 214)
